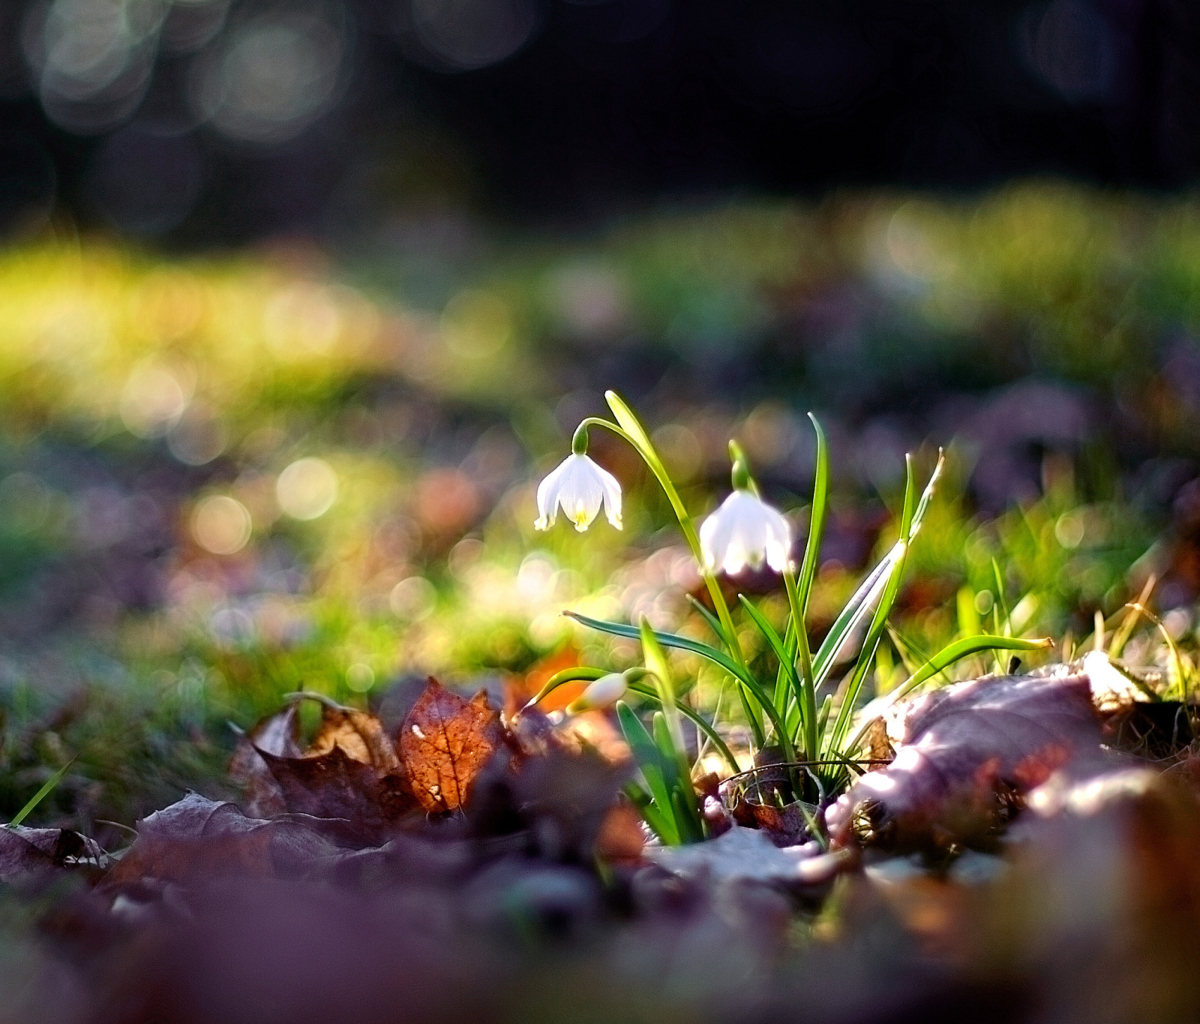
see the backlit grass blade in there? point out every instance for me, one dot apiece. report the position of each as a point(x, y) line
point(662, 824)
point(648, 759)
point(47, 788)
point(910, 523)
point(816, 519)
point(678, 777)
point(946, 657)
point(713, 622)
point(852, 616)
point(696, 719)
point(754, 690)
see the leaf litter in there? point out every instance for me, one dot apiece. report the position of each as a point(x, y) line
point(482, 868)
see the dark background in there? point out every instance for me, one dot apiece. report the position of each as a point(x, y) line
point(553, 112)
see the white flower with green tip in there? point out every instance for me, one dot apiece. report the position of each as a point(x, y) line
point(745, 531)
point(600, 693)
point(579, 487)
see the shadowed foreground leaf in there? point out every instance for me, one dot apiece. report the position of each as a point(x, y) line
point(196, 839)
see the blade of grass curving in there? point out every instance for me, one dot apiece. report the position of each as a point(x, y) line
point(816, 521)
point(852, 616)
point(780, 651)
point(47, 788)
point(784, 694)
point(740, 673)
point(656, 661)
point(696, 719)
point(946, 657)
point(661, 824)
point(910, 524)
point(1129, 623)
point(678, 777)
point(648, 759)
point(633, 428)
point(806, 694)
point(1001, 598)
point(774, 641)
point(1180, 668)
point(713, 622)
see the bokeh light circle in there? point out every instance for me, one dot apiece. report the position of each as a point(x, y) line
point(307, 489)
point(271, 79)
point(221, 525)
point(469, 34)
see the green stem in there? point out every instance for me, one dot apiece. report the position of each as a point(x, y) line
point(807, 698)
point(654, 464)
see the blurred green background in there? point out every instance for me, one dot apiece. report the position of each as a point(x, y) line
point(226, 478)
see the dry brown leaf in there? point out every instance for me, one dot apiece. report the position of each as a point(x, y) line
point(335, 785)
point(277, 734)
point(444, 743)
point(964, 754)
point(350, 771)
point(196, 838)
point(358, 734)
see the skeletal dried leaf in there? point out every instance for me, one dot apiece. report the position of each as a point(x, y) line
point(444, 743)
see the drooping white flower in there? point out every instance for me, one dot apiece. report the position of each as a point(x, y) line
point(745, 531)
point(600, 693)
point(579, 487)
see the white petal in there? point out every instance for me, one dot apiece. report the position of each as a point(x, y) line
point(745, 531)
point(601, 693)
point(715, 533)
point(582, 491)
point(547, 497)
point(612, 496)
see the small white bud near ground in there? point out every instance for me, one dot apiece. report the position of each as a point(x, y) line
point(600, 694)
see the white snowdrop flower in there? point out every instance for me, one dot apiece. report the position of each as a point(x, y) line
point(600, 693)
point(744, 531)
point(579, 486)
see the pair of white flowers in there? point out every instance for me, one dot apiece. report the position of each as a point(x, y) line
point(744, 531)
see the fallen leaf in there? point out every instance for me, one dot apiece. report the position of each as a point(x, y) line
point(335, 785)
point(444, 743)
point(277, 734)
point(19, 856)
point(621, 835)
point(358, 734)
point(350, 771)
point(748, 854)
point(965, 755)
point(196, 839)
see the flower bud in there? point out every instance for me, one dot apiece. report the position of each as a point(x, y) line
point(601, 693)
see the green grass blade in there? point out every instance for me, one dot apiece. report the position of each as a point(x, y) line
point(661, 824)
point(816, 520)
point(47, 788)
point(946, 657)
point(1001, 599)
point(860, 605)
point(648, 759)
point(713, 622)
point(696, 719)
point(806, 695)
point(774, 640)
point(682, 643)
point(678, 777)
point(910, 524)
